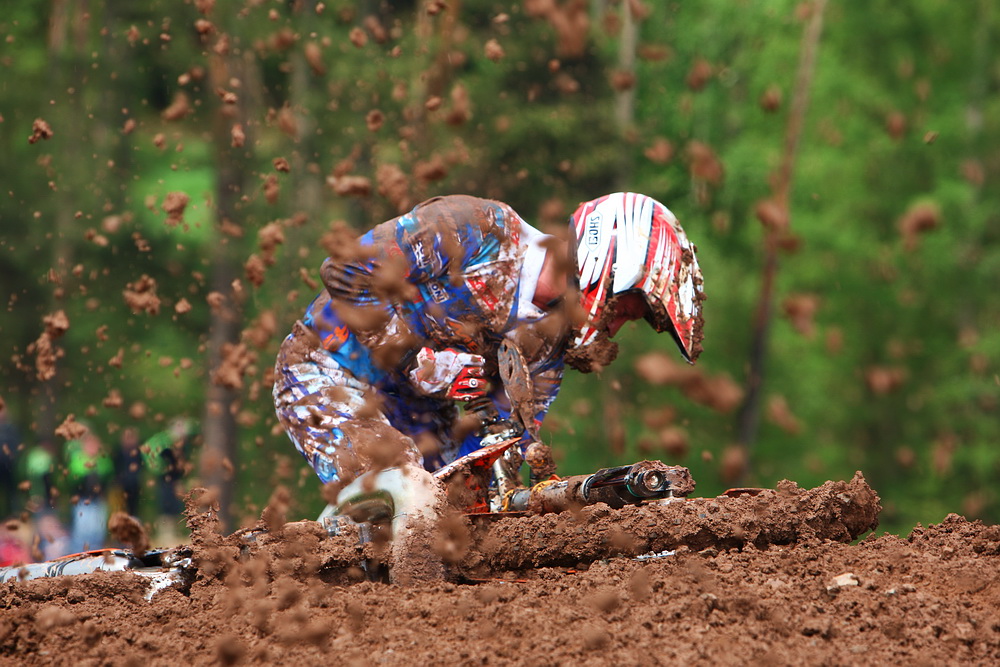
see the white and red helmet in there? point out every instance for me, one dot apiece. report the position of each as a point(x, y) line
point(630, 242)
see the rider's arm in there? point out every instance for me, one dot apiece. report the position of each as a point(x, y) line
point(408, 267)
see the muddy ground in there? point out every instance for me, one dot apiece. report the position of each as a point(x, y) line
point(777, 578)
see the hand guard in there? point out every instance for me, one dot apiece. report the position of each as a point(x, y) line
point(449, 373)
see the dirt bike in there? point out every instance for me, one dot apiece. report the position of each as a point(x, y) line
point(485, 484)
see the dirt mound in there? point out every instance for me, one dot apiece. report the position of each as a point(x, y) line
point(770, 578)
point(835, 511)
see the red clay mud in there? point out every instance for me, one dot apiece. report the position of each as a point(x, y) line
point(782, 584)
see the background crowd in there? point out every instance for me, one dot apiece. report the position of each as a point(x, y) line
point(59, 493)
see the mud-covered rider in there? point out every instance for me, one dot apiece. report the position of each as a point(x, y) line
point(409, 323)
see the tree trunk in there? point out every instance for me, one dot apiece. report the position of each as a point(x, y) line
point(219, 429)
point(64, 64)
point(749, 416)
point(306, 179)
point(625, 97)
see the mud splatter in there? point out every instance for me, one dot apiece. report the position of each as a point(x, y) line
point(40, 130)
point(129, 531)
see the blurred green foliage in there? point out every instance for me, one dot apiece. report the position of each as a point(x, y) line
point(884, 346)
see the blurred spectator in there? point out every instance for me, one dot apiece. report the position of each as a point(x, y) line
point(89, 472)
point(13, 545)
point(166, 455)
point(39, 470)
point(10, 444)
point(39, 474)
point(128, 470)
point(53, 540)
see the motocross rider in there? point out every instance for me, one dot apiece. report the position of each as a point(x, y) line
point(409, 323)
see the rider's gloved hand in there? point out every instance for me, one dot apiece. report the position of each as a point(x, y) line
point(449, 373)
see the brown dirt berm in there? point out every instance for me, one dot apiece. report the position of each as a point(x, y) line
point(736, 590)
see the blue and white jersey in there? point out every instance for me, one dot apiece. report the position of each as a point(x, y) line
point(456, 271)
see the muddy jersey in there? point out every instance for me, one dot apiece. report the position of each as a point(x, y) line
point(455, 271)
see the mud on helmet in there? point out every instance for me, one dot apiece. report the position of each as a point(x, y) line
point(628, 242)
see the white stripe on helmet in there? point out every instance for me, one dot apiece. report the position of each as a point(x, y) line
point(596, 235)
point(635, 220)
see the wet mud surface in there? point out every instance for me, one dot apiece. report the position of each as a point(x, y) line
point(776, 578)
